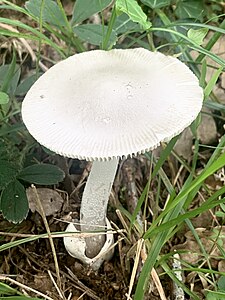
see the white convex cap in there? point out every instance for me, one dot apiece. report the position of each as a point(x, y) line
point(103, 104)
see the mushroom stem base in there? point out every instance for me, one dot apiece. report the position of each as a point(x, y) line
point(76, 247)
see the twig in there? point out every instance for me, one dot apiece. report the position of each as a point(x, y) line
point(155, 277)
point(81, 296)
point(70, 296)
point(55, 285)
point(158, 284)
point(136, 262)
point(49, 235)
point(87, 290)
point(6, 278)
point(72, 277)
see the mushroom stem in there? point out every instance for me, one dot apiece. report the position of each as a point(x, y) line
point(94, 203)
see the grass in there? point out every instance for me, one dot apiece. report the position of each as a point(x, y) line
point(176, 30)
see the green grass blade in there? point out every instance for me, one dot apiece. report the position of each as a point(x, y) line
point(191, 44)
point(212, 82)
point(38, 34)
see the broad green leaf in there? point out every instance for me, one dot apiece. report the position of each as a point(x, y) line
point(51, 13)
point(4, 98)
point(94, 34)
point(221, 283)
point(123, 24)
point(11, 128)
point(156, 3)
point(220, 214)
point(26, 84)
point(8, 173)
point(9, 78)
point(192, 9)
point(83, 9)
point(134, 11)
point(43, 174)
point(14, 204)
point(215, 295)
point(197, 35)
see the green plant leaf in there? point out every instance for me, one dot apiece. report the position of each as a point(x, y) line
point(51, 13)
point(221, 283)
point(83, 9)
point(4, 130)
point(123, 24)
point(215, 295)
point(6, 290)
point(156, 3)
point(134, 11)
point(43, 174)
point(9, 78)
point(220, 214)
point(14, 204)
point(34, 34)
point(26, 84)
point(197, 35)
point(190, 9)
point(210, 85)
point(4, 98)
point(93, 34)
point(8, 173)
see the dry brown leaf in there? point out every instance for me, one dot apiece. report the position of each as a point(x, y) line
point(207, 131)
point(184, 145)
point(209, 240)
point(50, 200)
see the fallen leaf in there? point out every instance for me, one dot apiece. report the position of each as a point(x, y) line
point(50, 200)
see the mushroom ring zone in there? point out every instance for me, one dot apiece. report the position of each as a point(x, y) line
point(101, 104)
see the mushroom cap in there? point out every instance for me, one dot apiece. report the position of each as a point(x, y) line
point(103, 104)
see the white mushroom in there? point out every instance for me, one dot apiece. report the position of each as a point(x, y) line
point(103, 105)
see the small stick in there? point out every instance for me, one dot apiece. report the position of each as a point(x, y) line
point(155, 277)
point(55, 285)
point(158, 284)
point(136, 261)
point(49, 235)
point(81, 296)
point(6, 278)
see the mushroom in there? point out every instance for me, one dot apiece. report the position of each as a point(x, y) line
point(104, 105)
